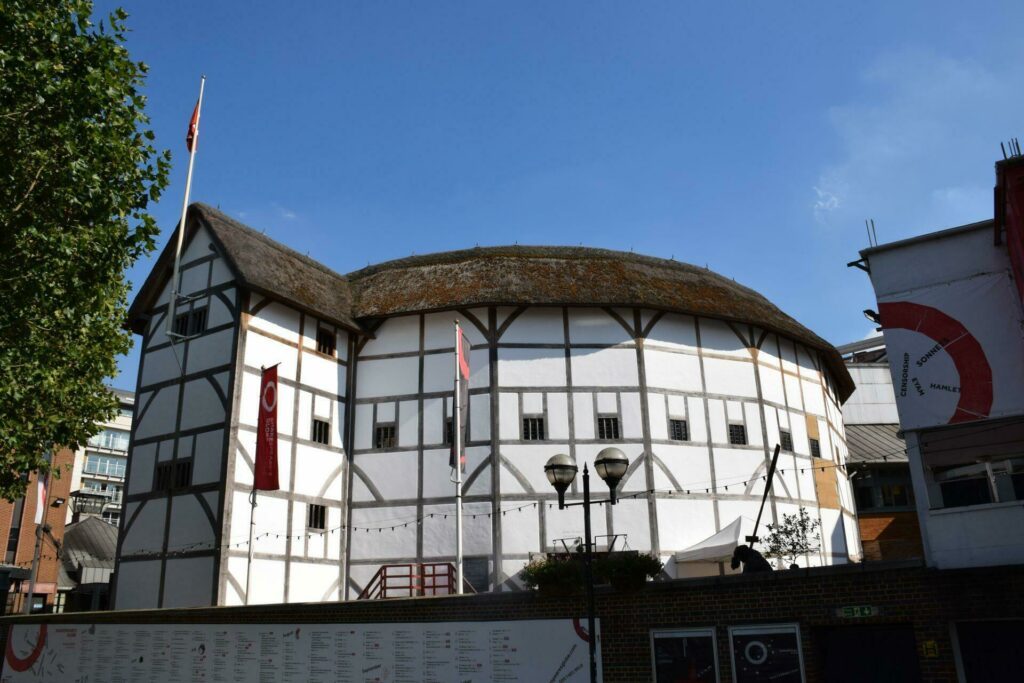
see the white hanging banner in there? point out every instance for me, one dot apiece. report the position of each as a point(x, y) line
point(477, 651)
point(956, 351)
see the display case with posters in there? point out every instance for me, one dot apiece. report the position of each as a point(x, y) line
point(684, 655)
point(766, 652)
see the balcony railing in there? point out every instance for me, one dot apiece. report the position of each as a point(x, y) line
point(413, 581)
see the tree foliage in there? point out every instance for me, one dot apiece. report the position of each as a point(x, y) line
point(797, 535)
point(78, 170)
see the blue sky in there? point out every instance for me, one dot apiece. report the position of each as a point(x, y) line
point(752, 137)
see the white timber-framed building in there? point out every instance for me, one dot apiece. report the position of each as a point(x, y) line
point(694, 377)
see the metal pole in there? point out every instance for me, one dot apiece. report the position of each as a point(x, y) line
point(589, 576)
point(252, 526)
point(457, 442)
point(184, 210)
point(39, 541)
point(767, 489)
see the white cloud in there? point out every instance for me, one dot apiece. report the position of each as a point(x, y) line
point(918, 145)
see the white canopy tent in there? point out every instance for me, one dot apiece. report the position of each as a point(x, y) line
point(716, 548)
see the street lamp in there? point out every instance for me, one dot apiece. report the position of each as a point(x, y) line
point(611, 465)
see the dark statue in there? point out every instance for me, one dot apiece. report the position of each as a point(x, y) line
point(751, 559)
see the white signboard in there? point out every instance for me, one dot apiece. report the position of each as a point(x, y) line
point(536, 650)
point(956, 351)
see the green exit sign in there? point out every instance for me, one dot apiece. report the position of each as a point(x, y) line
point(857, 612)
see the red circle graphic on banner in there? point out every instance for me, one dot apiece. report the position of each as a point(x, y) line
point(268, 391)
point(17, 663)
point(965, 351)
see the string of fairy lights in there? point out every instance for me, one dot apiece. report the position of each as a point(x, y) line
point(715, 487)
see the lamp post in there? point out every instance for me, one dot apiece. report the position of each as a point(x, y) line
point(611, 465)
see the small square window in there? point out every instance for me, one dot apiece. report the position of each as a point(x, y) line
point(190, 323)
point(164, 475)
point(316, 517)
point(786, 440)
point(815, 448)
point(197, 322)
point(182, 474)
point(181, 324)
point(737, 435)
point(384, 436)
point(607, 427)
point(325, 341)
point(533, 429)
point(678, 430)
point(321, 431)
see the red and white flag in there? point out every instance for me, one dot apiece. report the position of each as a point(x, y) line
point(42, 481)
point(265, 475)
point(461, 413)
point(193, 129)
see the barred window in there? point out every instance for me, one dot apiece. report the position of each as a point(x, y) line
point(190, 323)
point(786, 440)
point(325, 341)
point(607, 427)
point(316, 517)
point(815, 448)
point(175, 474)
point(533, 429)
point(321, 431)
point(182, 474)
point(384, 436)
point(678, 430)
point(737, 434)
point(164, 472)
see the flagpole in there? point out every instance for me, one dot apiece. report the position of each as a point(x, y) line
point(457, 439)
point(34, 574)
point(184, 209)
point(252, 526)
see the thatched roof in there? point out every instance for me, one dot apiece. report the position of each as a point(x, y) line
point(261, 265)
point(581, 276)
point(517, 275)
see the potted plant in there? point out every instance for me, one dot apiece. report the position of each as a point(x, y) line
point(626, 571)
point(795, 536)
point(554, 576)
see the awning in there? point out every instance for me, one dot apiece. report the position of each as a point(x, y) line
point(716, 548)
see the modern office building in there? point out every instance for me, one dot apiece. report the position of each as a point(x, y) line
point(97, 478)
point(695, 377)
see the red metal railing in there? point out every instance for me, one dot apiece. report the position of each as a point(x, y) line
point(413, 581)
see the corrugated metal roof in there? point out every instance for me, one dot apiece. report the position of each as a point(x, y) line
point(875, 443)
point(89, 543)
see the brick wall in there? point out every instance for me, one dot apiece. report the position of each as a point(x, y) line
point(60, 487)
point(928, 600)
point(890, 535)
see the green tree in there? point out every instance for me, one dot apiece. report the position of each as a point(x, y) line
point(797, 535)
point(77, 172)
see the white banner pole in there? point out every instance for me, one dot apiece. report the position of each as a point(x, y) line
point(171, 309)
point(457, 441)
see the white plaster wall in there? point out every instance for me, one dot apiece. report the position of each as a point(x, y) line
point(188, 582)
point(138, 584)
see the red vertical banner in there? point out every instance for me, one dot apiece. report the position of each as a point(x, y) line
point(265, 475)
point(461, 406)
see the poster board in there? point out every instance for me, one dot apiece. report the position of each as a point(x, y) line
point(503, 651)
point(684, 655)
point(955, 350)
point(766, 652)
